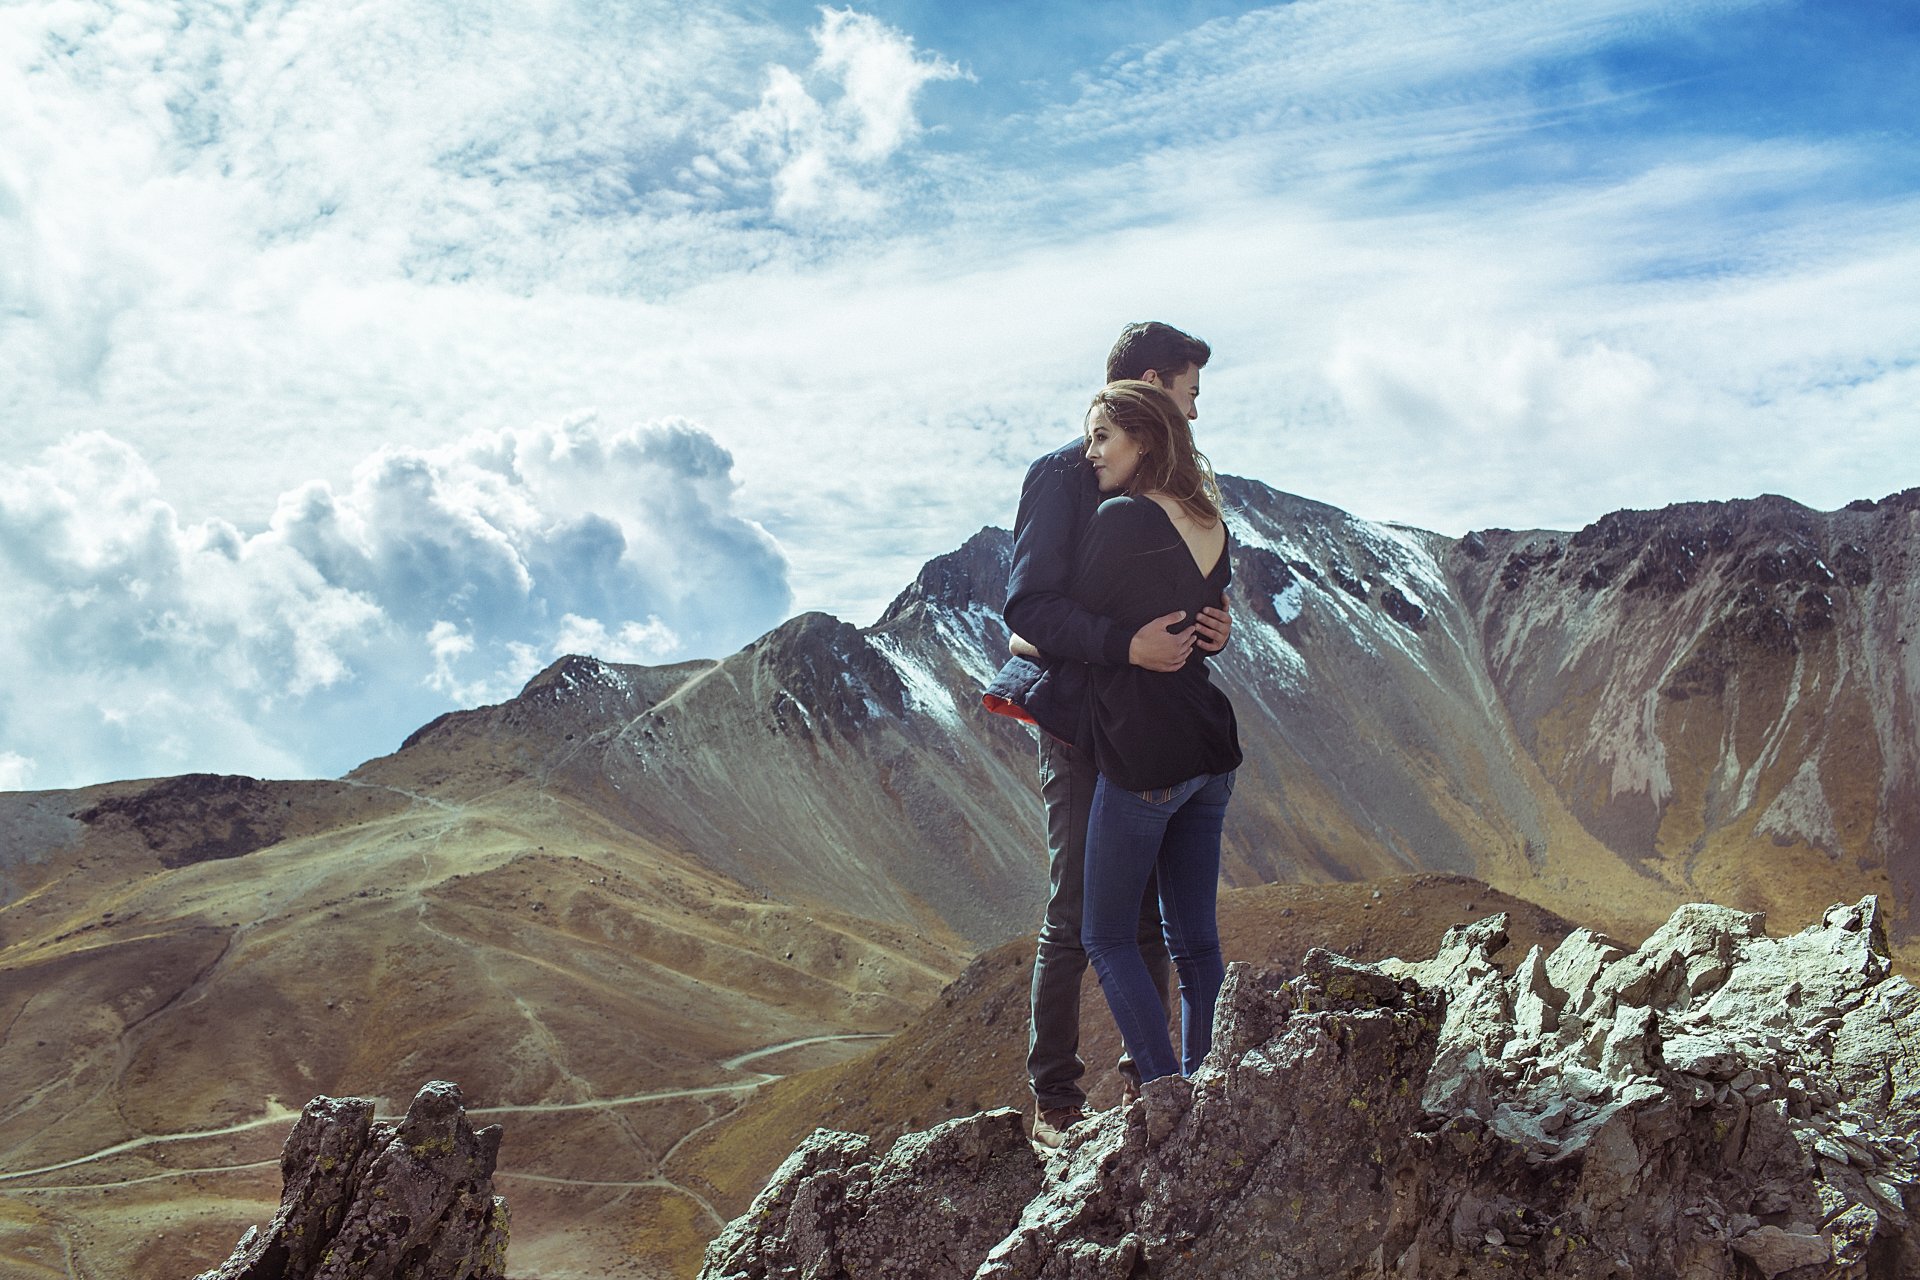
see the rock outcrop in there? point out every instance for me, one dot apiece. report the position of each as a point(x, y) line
point(1713, 1105)
point(925, 1208)
point(372, 1199)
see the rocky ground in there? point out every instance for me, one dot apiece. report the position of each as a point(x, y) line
point(1712, 1105)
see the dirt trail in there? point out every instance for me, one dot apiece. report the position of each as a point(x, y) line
point(276, 1114)
point(281, 1115)
point(435, 801)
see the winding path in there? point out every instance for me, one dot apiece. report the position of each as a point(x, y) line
point(277, 1114)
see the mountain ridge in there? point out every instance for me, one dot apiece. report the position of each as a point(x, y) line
point(625, 878)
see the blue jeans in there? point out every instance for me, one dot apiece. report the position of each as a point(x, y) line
point(1131, 835)
point(1067, 782)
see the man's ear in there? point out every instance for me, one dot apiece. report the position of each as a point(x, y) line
point(1153, 376)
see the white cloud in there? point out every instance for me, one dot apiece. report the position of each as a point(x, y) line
point(1462, 264)
point(649, 641)
point(16, 771)
point(1341, 75)
point(822, 155)
point(143, 644)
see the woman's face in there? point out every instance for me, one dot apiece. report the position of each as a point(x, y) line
point(1113, 453)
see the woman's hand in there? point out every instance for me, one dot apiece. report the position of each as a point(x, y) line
point(1021, 647)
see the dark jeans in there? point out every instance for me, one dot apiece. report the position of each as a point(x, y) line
point(1067, 779)
point(1173, 832)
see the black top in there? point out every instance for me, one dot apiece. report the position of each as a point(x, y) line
point(1057, 501)
point(1151, 729)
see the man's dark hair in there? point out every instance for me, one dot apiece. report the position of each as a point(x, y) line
point(1159, 347)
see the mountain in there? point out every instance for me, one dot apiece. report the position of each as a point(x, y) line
point(823, 763)
point(1711, 701)
point(1724, 693)
point(169, 1000)
point(596, 904)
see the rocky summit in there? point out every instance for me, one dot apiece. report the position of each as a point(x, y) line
point(1715, 1104)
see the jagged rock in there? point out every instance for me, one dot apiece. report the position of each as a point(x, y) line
point(932, 1201)
point(1712, 1105)
point(370, 1199)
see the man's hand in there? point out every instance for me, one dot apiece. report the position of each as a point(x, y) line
point(1157, 648)
point(1214, 626)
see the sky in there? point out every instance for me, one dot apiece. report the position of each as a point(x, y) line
point(359, 359)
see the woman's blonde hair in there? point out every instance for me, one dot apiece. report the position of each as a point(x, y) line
point(1169, 463)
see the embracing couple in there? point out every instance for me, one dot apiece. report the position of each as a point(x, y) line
point(1116, 597)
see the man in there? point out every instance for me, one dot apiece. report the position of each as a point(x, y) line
point(1057, 499)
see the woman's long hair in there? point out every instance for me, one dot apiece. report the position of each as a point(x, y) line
point(1169, 463)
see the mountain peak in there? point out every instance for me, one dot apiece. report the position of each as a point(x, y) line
point(973, 574)
point(576, 671)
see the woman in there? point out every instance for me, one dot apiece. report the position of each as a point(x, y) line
point(1165, 743)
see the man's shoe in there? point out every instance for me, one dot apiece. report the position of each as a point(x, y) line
point(1129, 1091)
point(1050, 1127)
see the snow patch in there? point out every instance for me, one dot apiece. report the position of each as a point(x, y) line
point(1287, 604)
point(1247, 535)
point(971, 635)
point(925, 691)
point(593, 672)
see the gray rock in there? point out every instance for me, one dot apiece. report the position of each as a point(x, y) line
point(1774, 1251)
point(373, 1200)
point(930, 1207)
point(1578, 962)
point(1713, 1105)
point(1536, 1002)
point(1708, 1057)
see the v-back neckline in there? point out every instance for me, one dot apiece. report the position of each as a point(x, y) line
point(1188, 547)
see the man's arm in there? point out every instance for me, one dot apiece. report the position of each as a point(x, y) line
point(1046, 532)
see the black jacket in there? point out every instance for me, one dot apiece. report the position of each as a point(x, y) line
point(1057, 502)
point(1152, 729)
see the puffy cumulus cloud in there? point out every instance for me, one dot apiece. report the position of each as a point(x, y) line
point(819, 140)
point(144, 644)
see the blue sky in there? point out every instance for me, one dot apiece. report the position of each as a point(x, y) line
point(357, 360)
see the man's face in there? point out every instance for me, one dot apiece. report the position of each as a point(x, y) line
point(1183, 386)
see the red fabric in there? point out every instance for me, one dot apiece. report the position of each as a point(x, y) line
point(1000, 706)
